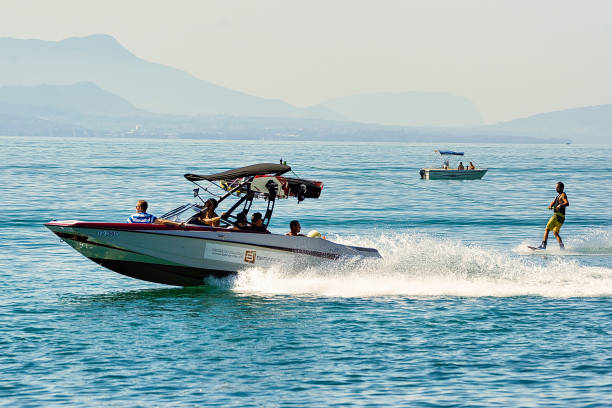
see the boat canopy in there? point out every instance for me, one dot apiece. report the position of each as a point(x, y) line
point(296, 187)
point(449, 152)
point(247, 171)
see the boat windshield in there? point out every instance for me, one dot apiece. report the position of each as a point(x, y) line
point(182, 213)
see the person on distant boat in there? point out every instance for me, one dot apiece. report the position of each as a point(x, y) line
point(471, 166)
point(208, 216)
point(446, 164)
point(257, 223)
point(142, 217)
point(295, 229)
point(460, 166)
point(556, 221)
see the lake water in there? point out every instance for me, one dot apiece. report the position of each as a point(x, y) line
point(458, 313)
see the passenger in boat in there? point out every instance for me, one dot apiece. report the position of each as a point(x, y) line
point(208, 216)
point(241, 222)
point(142, 217)
point(257, 223)
point(556, 221)
point(460, 166)
point(446, 164)
point(471, 166)
point(295, 229)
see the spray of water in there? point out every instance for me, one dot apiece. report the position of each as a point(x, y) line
point(591, 242)
point(422, 266)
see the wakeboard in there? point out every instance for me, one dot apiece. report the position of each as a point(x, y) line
point(535, 248)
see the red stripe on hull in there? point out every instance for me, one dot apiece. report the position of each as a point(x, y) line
point(142, 227)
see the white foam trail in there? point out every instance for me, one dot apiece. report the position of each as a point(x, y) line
point(421, 266)
point(592, 242)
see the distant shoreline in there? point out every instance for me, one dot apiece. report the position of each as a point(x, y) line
point(280, 138)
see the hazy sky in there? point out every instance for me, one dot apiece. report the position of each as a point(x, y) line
point(511, 58)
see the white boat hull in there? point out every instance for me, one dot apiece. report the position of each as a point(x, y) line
point(186, 257)
point(452, 174)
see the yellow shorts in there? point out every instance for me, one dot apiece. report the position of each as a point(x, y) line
point(556, 222)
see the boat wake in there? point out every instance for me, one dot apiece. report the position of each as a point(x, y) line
point(592, 243)
point(421, 266)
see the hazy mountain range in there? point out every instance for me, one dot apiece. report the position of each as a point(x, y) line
point(161, 89)
point(82, 97)
point(154, 87)
point(590, 124)
point(84, 109)
point(94, 86)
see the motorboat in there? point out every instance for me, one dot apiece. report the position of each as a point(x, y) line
point(451, 171)
point(186, 254)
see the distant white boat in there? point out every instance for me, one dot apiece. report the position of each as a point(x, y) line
point(448, 172)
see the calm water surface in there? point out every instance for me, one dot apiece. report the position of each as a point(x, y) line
point(458, 313)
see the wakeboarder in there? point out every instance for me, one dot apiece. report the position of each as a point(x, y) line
point(558, 218)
